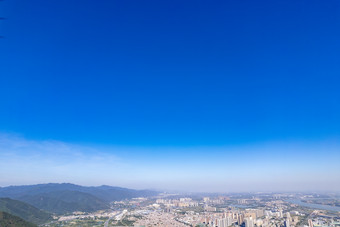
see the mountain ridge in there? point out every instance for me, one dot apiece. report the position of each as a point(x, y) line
point(63, 198)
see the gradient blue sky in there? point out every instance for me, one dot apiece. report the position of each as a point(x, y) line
point(189, 95)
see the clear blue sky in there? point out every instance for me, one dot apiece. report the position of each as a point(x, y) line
point(156, 80)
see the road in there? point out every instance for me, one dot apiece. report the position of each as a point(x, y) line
point(120, 216)
point(106, 224)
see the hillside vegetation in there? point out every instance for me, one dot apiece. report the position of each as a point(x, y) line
point(66, 198)
point(9, 220)
point(24, 211)
point(61, 202)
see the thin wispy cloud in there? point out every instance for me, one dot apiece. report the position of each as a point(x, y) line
point(265, 166)
point(30, 161)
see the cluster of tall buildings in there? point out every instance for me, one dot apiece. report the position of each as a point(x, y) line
point(250, 218)
point(221, 221)
point(247, 218)
point(266, 216)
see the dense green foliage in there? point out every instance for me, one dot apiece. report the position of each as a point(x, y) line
point(9, 220)
point(65, 198)
point(24, 211)
point(61, 202)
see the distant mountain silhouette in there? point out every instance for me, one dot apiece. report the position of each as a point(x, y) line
point(9, 220)
point(24, 211)
point(65, 198)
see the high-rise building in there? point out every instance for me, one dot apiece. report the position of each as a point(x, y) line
point(268, 213)
point(280, 213)
point(219, 223)
point(240, 219)
point(224, 222)
point(310, 223)
point(249, 222)
point(259, 213)
point(287, 223)
point(228, 221)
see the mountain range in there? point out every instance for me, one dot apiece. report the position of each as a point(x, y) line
point(65, 198)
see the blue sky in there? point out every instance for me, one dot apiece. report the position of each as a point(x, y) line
point(156, 89)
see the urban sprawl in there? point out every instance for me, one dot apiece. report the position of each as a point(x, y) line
point(236, 210)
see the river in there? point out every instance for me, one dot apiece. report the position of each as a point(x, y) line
point(314, 206)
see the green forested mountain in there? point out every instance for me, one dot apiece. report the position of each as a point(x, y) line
point(106, 193)
point(65, 198)
point(9, 220)
point(61, 202)
point(24, 211)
